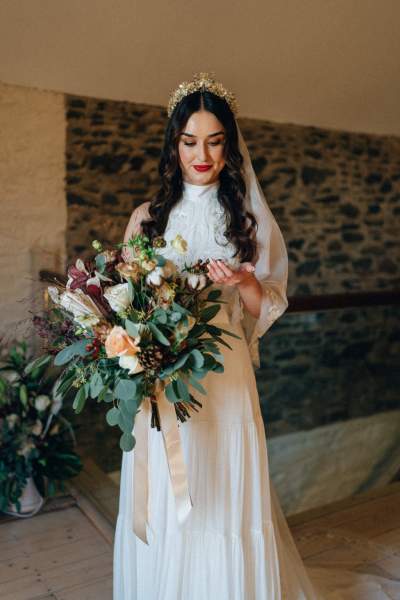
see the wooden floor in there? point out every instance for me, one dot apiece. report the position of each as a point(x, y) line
point(59, 554)
point(65, 551)
point(360, 534)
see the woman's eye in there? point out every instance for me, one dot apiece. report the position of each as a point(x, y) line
point(193, 143)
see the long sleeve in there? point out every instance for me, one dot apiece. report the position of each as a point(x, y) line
point(271, 269)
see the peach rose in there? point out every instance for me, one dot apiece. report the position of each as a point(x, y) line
point(119, 343)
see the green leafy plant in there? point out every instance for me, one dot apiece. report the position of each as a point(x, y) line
point(35, 439)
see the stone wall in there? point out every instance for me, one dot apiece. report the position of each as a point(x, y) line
point(328, 380)
point(336, 195)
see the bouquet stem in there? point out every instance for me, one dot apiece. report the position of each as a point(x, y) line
point(181, 410)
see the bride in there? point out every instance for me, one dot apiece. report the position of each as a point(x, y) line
point(232, 541)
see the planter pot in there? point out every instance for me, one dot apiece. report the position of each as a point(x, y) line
point(31, 501)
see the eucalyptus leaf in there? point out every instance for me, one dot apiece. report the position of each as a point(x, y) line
point(175, 316)
point(100, 261)
point(132, 328)
point(80, 399)
point(112, 416)
point(102, 397)
point(125, 420)
point(158, 334)
point(160, 315)
point(182, 390)
point(198, 358)
point(76, 349)
point(197, 385)
point(125, 389)
point(127, 442)
point(170, 393)
point(181, 309)
point(218, 368)
point(129, 406)
point(131, 290)
point(161, 260)
point(96, 384)
point(199, 373)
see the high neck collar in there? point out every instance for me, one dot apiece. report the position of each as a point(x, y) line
point(200, 192)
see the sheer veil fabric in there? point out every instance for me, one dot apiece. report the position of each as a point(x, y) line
point(235, 544)
point(272, 272)
point(271, 266)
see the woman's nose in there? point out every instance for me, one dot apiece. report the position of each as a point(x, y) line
point(202, 153)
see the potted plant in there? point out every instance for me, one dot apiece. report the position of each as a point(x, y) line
point(36, 441)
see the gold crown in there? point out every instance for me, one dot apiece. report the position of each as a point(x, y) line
point(204, 82)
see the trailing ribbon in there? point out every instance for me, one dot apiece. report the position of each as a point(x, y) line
point(173, 449)
point(175, 459)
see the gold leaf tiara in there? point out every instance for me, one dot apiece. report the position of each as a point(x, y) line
point(205, 82)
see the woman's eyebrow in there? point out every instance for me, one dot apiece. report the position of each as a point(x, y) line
point(210, 135)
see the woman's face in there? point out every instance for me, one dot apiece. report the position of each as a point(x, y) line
point(202, 143)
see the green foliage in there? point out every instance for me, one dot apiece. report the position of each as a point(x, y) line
point(47, 453)
point(68, 353)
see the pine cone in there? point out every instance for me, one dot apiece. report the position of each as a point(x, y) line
point(150, 358)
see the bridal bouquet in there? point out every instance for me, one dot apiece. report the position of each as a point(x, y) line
point(120, 326)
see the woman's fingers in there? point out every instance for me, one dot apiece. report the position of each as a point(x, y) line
point(219, 270)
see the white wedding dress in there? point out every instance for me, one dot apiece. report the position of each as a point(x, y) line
point(235, 544)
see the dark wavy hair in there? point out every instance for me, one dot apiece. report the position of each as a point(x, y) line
point(241, 224)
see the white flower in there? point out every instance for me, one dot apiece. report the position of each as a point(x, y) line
point(37, 428)
point(10, 376)
point(54, 294)
point(130, 362)
point(197, 280)
point(11, 420)
point(117, 296)
point(42, 402)
point(155, 276)
point(79, 304)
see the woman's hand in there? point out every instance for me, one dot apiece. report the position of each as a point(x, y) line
point(219, 272)
point(249, 287)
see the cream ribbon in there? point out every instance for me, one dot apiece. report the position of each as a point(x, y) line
point(175, 459)
point(173, 449)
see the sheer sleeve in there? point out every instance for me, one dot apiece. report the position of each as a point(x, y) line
point(140, 214)
point(271, 270)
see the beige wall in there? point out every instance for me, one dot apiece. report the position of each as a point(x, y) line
point(330, 63)
point(32, 201)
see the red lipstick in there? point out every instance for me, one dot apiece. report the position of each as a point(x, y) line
point(202, 168)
